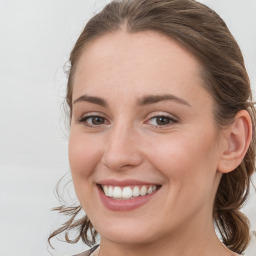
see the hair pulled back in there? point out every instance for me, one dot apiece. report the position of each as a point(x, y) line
point(201, 31)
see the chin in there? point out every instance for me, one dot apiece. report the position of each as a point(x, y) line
point(132, 238)
point(128, 234)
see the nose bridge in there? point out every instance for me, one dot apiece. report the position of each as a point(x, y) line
point(121, 147)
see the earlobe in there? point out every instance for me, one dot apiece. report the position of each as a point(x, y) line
point(238, 137)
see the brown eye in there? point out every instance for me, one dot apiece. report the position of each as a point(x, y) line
point(97, 120)
point(161, 120)
point(93, 120)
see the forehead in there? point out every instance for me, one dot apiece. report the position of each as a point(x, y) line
point(135, 62)
point(124, 47)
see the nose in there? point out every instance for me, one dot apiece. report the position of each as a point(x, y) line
point(121, 150)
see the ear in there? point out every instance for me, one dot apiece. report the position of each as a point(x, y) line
point(237, 138)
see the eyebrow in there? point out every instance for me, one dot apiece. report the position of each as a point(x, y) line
point(151, 99)
point(91, 99)
point(146, 100)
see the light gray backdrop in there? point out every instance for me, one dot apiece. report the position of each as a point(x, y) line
point(35, 40)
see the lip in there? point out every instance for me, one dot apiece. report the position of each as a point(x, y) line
point(124, 204)
point(123, 183)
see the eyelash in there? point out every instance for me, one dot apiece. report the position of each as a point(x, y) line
point(84, 120)
point(170, 121)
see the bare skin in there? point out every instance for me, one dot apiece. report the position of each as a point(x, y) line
point(140, 113)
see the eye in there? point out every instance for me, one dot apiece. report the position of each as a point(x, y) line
point(161, 120)
point(93, 120)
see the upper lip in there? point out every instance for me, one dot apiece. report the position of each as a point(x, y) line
point(123, 183)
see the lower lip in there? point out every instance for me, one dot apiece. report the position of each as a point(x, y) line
point(124, 205)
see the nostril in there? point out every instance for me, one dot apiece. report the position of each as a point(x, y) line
point(119, 161)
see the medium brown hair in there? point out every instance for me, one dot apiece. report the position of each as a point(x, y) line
point(202, 32)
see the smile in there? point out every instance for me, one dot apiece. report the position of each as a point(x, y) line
point(128, 192)
point(126, 195)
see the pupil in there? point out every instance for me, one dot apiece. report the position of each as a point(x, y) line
point(162, 120)
point(97, 120)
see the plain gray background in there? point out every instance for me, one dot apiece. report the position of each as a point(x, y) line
point(35, 41)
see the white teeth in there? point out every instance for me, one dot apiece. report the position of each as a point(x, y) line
point(136, 191)
point(127, 192)
point(110, 191)
point(106, 189)
point(150, 190)
point(143, 191)
point(117, 192)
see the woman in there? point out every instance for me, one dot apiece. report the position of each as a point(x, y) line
point(161, 143)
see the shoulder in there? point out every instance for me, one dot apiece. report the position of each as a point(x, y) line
point(87, 253)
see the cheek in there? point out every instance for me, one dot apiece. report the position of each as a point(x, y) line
point(189, 166)
point(186, 157)
point(84, 155)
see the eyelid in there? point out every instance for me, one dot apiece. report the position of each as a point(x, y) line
point(93, 113)
point(173, 119)
point(161, 113)
point(82, 120)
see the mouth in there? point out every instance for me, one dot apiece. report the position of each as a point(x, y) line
point(128, 192)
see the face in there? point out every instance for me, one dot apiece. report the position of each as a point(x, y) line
point(143, 143)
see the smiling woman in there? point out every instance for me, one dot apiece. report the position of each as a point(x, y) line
point(161, 144)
